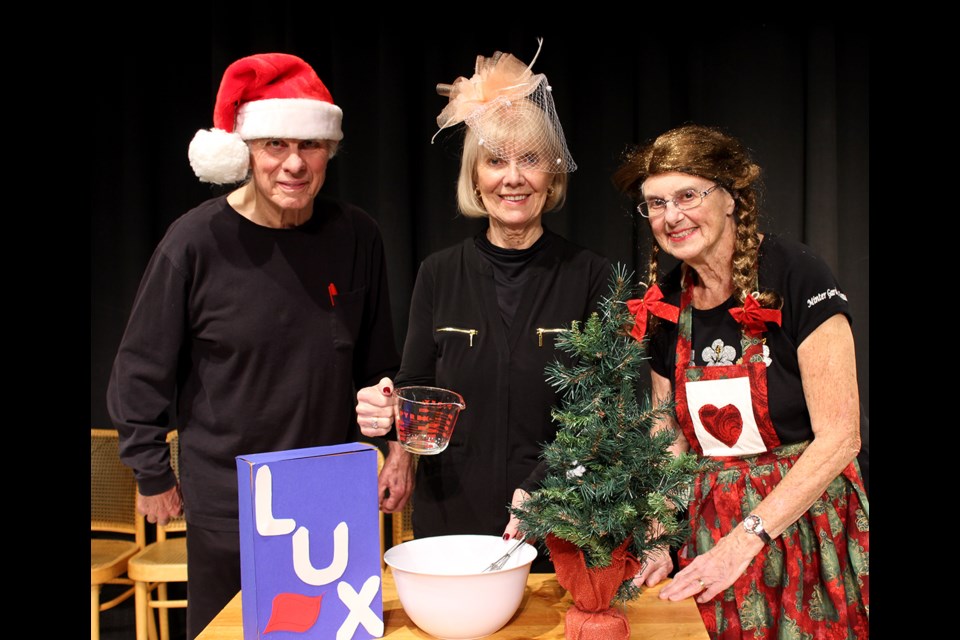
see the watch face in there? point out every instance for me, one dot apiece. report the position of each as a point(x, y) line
point(753, 524)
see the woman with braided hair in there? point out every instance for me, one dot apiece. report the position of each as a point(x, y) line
point(750, 335)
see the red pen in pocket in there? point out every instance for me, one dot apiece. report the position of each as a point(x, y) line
point(332, 289)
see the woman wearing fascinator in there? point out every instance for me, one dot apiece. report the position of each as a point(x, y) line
point(485, 312)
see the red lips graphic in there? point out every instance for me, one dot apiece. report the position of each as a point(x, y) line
point(293, 612)
point(724, 424)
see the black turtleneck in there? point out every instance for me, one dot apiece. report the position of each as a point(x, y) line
point(510, 270)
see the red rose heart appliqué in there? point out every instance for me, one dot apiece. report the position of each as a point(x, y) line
point(725, 424)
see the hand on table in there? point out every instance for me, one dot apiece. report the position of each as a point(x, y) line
point(656, 568)
point(710, 573)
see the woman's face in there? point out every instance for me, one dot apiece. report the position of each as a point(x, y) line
point(289, 172)
point(512, 191)
point(691, 235)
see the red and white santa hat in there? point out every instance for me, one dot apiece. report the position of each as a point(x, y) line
point(268, 95)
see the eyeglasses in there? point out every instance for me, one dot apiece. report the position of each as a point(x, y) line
point(685, 200)
point(281, 148)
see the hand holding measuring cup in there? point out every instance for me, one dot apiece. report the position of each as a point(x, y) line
point(376, 408)
point(425, 417)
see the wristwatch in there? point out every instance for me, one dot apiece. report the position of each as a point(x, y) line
point(753, 524)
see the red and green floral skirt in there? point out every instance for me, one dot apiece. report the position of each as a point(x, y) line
point(813, 581)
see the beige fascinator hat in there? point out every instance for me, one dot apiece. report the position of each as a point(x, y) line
point(511, 111)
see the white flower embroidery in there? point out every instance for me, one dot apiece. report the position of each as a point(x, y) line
point(718, 354)
point(766, 356)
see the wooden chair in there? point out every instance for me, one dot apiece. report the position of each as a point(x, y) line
point(113, 494)
point(158, 564)
point(383, 544)
point(403, 522)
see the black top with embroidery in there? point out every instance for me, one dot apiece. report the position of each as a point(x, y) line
point(810, 295)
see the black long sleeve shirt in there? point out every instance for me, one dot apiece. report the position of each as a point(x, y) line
point(249, 339)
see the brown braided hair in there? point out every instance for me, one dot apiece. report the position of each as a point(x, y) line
point(709, 153)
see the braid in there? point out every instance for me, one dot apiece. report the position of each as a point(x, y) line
point(653, 268)
point(745, 267)
point(745, 251)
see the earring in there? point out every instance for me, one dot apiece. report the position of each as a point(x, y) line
point(476, 193)
point(549, 192)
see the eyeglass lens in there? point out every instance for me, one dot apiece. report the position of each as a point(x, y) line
point(687, 199)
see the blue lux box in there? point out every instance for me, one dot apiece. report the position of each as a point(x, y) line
point(310, 544)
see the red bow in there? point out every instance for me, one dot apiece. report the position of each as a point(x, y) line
point(754, 317)
point(650, 304)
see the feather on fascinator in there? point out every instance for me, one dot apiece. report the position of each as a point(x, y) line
point(511, 111)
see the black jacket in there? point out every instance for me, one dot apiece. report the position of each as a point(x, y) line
point(498, 438)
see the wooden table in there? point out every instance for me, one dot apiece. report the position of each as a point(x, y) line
point(540, 615)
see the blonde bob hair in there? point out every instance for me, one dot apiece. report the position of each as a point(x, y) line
point(531, 125)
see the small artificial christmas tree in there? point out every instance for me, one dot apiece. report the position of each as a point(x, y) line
point(613, 489)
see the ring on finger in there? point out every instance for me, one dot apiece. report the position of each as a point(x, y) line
point(703, 587)
point(376, 422)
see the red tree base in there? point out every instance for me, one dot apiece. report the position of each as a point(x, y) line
point(600, 625)
point(592, 590)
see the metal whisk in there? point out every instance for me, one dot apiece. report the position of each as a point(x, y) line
point(497, 564)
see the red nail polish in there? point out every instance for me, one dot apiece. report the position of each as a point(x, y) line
point(506, 536)
point(387, 391)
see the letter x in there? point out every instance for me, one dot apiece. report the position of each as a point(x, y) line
point(359, 606)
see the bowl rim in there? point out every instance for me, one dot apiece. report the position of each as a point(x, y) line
point(522, 566)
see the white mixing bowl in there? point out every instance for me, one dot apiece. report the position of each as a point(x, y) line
point(442, 588)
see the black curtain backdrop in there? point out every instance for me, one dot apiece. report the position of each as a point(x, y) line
point(798, 96)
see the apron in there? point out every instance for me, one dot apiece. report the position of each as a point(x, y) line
point(722, 409)
point(814, 578)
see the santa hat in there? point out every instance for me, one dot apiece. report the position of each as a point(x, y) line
point(268, 95)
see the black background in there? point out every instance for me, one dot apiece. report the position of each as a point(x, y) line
point(797, 95)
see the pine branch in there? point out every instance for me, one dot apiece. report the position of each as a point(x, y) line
point(610, 478)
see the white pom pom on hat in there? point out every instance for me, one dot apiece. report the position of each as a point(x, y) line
point(219, 157)
point(268, 95)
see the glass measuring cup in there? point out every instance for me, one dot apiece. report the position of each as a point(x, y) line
point(425, 418)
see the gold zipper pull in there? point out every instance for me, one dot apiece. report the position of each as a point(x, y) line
point(541, 331)
point(469, 332)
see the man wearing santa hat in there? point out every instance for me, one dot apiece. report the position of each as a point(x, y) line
point(259, 314)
